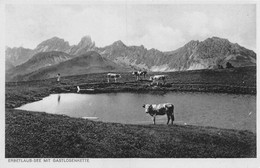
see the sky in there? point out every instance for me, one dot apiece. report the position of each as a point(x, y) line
point(162, 26)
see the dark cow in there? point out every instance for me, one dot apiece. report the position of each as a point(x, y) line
point(113, 76)
point(160, 109)
point(138, 74)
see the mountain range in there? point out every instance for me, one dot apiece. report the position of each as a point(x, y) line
point(55, 55)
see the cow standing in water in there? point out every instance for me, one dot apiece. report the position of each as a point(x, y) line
point(160, 109)
point(113, 76)
point(138, 74)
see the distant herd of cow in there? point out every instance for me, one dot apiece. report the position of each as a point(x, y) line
point(155, 79)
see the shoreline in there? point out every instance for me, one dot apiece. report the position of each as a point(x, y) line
point(124, 88)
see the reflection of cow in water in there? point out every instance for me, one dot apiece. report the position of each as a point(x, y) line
point(113, 76)
point(157, 78)
point(160, 109)
point(138, 74)
point(58, 98)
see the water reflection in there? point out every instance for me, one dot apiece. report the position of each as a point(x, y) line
point(58, 98)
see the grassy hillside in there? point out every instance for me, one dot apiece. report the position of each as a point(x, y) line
point(30, 134)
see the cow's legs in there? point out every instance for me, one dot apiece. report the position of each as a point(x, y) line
point(168, 119)
point(172, 117)
point(115, 80)
point(154, 119)
point(107, 80)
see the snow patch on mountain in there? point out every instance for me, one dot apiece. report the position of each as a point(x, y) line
point(160, 68)
point(196, 66)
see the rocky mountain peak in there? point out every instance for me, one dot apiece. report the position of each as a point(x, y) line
point(142, 46)
point(216, 40)
point(53, 44)
point(86, 42)
point(53, 40)
point(119, 43)
point(85, 45)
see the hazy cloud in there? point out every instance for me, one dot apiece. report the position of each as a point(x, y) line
point(197, 23)
point(161, 37)
point(164, 27)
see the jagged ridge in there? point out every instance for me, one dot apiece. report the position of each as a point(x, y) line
point(208, 54)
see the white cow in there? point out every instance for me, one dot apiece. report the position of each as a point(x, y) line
point(138, 74)
point(160, 109)
point(113, 76)
point(157, 78)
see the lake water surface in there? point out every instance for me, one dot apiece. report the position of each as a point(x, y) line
point(204, 109)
